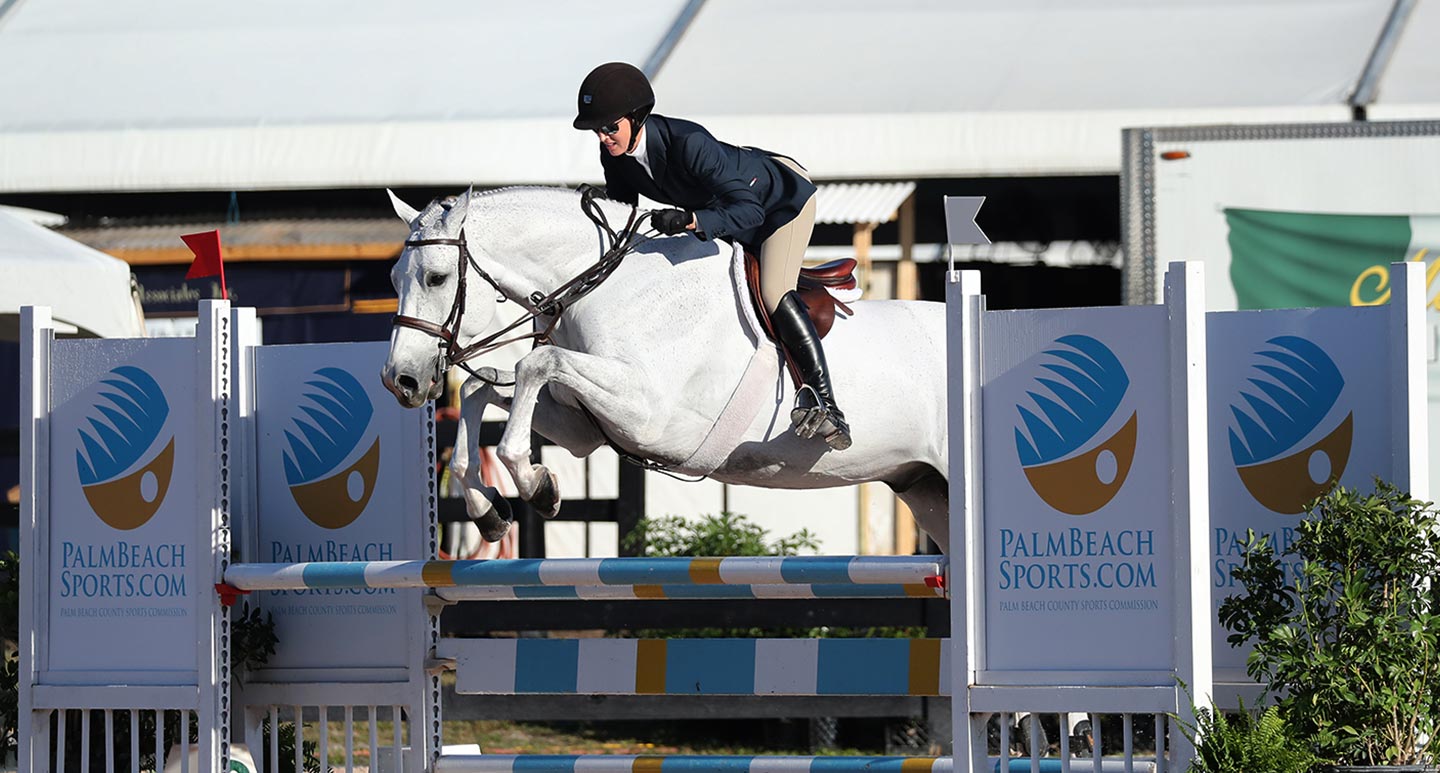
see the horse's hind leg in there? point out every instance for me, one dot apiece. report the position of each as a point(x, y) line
point(928, 497)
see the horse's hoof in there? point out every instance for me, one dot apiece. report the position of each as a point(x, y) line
point(492, 527)
point(547, 496)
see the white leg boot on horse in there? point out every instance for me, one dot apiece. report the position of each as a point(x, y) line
point(815, 411)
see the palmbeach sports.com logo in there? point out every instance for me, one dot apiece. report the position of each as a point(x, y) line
point(123, 481)
point(331, 424)
point(1065, 465)
point(1295, 386)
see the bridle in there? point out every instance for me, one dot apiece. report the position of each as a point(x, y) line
point(622, 243)
point(447, 333)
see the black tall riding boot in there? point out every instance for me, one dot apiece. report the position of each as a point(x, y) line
point(815, 409)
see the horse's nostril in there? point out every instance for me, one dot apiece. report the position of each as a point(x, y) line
point(408, 384)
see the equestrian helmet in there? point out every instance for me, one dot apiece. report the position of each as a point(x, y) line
point(611, 92)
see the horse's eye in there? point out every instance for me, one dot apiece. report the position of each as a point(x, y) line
point(435, 280)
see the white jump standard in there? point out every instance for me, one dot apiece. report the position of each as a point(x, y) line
point(202, 440)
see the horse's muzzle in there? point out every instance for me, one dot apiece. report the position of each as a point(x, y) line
point(406, 388)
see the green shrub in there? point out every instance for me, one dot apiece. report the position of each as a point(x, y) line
point(1351, 645)
point(310, 750)
point(9, 652)
point(726, 534)
point(1249, 741)
point(732, 534)
point(252, 640)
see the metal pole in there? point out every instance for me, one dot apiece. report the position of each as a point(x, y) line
point(1369, 83)
point(672, 38)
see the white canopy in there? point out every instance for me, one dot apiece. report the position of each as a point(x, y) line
point(271, 94)
point(88, 292)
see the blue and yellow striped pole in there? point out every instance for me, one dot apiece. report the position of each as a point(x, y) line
point(874, 667)
point(618, 763)
point(804, 570)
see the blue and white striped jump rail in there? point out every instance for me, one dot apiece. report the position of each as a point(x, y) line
point(618, 763)
point(864, 667)
point(595, 763)
point(802, 570)
point(642, 592)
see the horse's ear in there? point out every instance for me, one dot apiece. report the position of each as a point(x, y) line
point(405, 211)
point(455, 216)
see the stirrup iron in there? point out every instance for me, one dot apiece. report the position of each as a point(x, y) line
point(810, 418)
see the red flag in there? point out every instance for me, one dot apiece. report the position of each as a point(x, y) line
point(208, 261)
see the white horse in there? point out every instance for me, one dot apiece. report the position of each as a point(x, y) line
point(650, 357)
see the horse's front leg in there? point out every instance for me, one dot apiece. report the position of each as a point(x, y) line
point(483, 503)
point(613, 392)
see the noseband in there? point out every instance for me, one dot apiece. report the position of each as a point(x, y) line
point(448, 330)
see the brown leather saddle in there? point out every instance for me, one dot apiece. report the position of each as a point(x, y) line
point(811, 286)
point(819, 303)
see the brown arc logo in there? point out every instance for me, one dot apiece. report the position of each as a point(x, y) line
point(335, 502)
point(1069, 406)
point(1291, 393)
point(1286, 485)
point(326, 431)
point(1083, 484)
point(123, 483)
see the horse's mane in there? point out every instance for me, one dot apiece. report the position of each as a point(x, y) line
point(441, 204)
point(520, 188)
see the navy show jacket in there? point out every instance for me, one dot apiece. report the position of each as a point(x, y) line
point(736, 193)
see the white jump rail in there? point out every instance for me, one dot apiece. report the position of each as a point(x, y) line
point(514, 572)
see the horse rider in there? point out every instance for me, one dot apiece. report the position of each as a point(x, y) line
point(762, 200)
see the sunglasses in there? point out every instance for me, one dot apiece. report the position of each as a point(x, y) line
point(609, 129)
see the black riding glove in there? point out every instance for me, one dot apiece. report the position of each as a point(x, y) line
point(671, 221)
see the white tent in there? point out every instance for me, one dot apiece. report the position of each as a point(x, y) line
point(89, 293)
point(273, 94)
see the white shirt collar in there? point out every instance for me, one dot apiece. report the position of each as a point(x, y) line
point(641, 155)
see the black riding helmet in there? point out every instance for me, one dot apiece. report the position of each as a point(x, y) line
point(613, 91)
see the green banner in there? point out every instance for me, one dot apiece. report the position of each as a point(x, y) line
point(1302, 259)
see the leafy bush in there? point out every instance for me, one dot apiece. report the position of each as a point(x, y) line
point(310, 751)
point(1250, 741)
point(726, 534)
point(1352, 645)
point(252, 640)
point(9, 652)
point(732, 534)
